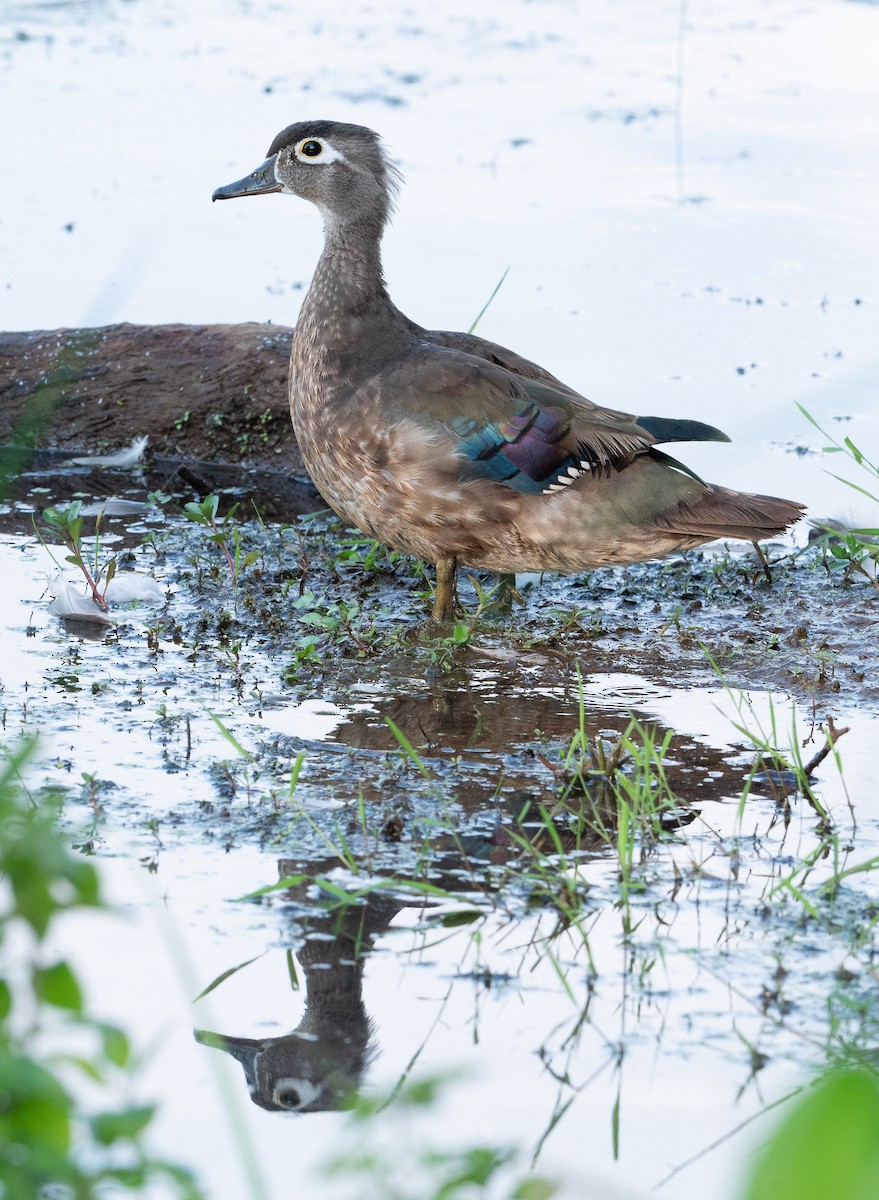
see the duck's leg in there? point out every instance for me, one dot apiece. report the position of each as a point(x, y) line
point(444, 598)
point(506, 589)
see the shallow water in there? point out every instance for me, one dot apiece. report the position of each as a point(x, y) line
point(669, 1000)
point(702, 250)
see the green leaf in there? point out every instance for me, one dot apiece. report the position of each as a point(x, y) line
point(116, 1046)
point(63, 518)
point(88, 1068)
point(127, 1123)
point(36, 1107)
point(229, 736)
point(5, 1000)
point(320, 619)
point(464, 917)
point(482, 311)
point(193, 511)
point(59, 986)
point(476, 1166)
point(203, 512)
point(535, 1189)
point(422, 1093)
point(287, 882)
point(855, 486)
point(827, 1146)
point(224, 975)
point(33, 902)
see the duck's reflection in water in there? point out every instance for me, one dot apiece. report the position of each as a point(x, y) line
point(318, 1065)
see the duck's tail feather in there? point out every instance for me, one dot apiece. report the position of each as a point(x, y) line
point(669, 429)
point(724, 513)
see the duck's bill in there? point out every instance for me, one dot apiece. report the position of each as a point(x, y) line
point(244, 1050)
point(259, 182)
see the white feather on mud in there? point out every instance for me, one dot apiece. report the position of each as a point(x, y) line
point(70, 605)
point(112, 507)
point(122, 458)
point(126, 587)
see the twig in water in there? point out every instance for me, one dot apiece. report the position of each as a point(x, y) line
point(832, 735)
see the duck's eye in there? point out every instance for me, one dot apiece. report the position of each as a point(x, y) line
point(311, 148)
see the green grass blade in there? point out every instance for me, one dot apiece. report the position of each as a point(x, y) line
point(485, 307)
point(407, 747)
point(224, 975)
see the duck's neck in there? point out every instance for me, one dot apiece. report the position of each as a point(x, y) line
point(347, 294)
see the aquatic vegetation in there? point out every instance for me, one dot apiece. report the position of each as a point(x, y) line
point(542, 831)
point(68, 1119)
point(855, 550)
point(106, 584)
point(226, 534)
point(621, 958)
point(68, 522)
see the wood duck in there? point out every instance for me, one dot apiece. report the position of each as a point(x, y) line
point(454, 449)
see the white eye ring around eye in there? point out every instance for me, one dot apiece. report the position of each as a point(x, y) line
point(315, 150)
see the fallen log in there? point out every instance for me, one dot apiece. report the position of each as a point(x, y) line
point(212, 400)
point(212, 392)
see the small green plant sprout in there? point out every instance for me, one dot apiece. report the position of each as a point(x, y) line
point(337, 618)
point(226, 771)
point(854, 549)
point(848, 549)
point(90, 787)
point(204, 512)
point(68, 523)
point(366, 553)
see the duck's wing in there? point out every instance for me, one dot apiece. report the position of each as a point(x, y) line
point(532, 434)
point(499, 356)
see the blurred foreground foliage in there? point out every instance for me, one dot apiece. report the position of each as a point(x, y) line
point(68, 1127)
point(827, 1146)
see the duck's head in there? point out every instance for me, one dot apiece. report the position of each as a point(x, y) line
point(343, 169)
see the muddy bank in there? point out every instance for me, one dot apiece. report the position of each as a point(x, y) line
point(216, 393)
point(211, 399)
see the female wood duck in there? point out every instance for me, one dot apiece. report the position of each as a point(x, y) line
point(449, 447)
